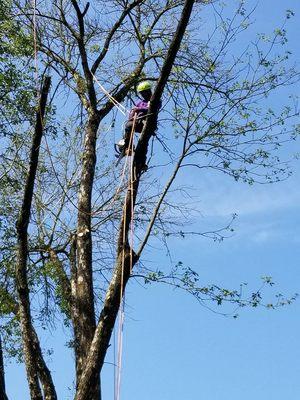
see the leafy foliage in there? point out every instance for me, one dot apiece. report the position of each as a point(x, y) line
point(16, 91)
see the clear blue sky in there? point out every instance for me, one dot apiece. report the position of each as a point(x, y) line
point(175, 349)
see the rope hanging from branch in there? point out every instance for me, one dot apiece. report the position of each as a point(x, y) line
point(122, 297)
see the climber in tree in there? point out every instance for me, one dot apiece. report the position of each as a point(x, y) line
point(137, 117)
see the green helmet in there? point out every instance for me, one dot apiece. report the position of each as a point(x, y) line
point(145, 85)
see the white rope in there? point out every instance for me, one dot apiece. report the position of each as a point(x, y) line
point(119, 106)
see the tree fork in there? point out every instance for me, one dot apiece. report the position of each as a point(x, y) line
point(82, 286)
point(125, 261)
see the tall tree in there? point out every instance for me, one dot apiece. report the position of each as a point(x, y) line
point(81, 228)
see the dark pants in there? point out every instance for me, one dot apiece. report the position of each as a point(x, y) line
point(139, 124)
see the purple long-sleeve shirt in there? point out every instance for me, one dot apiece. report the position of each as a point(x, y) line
point(140, 109)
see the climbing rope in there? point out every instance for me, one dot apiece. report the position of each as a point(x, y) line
point(119, 106)
point(122, 297)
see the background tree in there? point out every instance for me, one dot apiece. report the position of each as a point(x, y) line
point(84, 238)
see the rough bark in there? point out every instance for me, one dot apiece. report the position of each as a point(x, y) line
point(125, 256)
point(43, 371)
point(84, 311)
point(31, 346)
point(104, 328)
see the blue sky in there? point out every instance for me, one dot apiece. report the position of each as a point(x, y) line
point(174, 348)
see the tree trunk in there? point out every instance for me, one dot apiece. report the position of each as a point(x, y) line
point(83, 292)
point(82, 274)
point(3, 395)
point(31, 347)
point(105, 326)
point(125, 255)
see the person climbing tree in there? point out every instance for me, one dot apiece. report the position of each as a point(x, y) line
point(137, 118)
